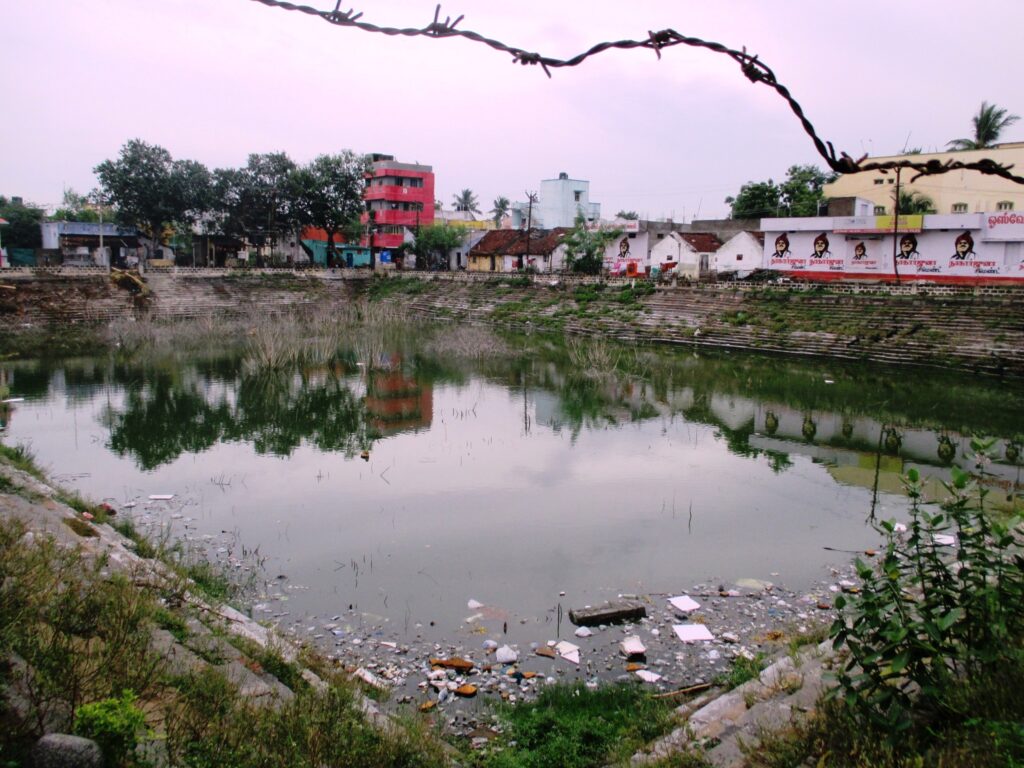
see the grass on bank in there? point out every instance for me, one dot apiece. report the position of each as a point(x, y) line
point(572, 726)
point(75, 654)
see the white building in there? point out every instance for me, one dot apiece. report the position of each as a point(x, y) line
point(740, 255)
point(942, 248)
point(557, 204)
point(692, 253)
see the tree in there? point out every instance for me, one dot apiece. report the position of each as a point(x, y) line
point(151, 190)
point(627, 215)
point(913, 202)
point(500, 209)
point(755, 200)
point(75, 207)
point(328, 193)
point(585, 246)
point(988, 125)
point(257, 202)
point(433, 244)
point(466, 201)
point(802, 192)
point(22, 227)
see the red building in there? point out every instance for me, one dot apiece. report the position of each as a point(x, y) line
point(399, 195)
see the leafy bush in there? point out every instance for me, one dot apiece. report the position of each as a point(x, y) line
point(930, 615)
point(115, 724)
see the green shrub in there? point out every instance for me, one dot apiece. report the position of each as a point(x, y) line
point(572, 726)
point(929, 615)
point(114, 724)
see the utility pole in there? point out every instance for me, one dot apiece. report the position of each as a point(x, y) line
point(896, 227)
point(530, 197)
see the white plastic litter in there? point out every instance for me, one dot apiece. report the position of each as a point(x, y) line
point(692, 633)
point(568, 651)
point(684, 603)
point(632, 646)
point(647, 676)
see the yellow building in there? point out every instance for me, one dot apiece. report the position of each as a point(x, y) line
point(954, 192)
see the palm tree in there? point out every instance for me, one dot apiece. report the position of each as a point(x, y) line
point(988, 124)
point(913, 202)
point(466, 201)
point(500, 209)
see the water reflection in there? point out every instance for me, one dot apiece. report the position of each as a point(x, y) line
point(509, 478)
point(759, 407)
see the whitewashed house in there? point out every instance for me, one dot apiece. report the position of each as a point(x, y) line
point(740, 255)
point(692, 253)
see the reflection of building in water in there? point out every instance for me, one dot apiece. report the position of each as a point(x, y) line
point(397, 403)
point(864, 452)
point(5, 391)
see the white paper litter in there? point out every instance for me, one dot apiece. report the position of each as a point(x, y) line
point(692, 633)
point(568, 651)
point(161, 496)
point(647, 676)
point(632, 646)
point(684, 603)
point(474, 604)
point(944, 539)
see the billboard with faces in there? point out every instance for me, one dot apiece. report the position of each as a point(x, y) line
point(942, 254)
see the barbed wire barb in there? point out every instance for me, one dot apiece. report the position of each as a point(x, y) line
point(755, 70)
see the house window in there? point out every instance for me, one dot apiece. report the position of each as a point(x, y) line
point(891, 181)
point(959, 207)
point(879, 210)
point(879, 182)
point(739, 257)
point(577, 195)
point(1004, 205)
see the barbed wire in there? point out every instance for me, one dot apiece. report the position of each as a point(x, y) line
point(755, 70)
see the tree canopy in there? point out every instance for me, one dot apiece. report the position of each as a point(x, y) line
point(755, 200)
point(989, 124)
point(914, 202)
point(466, 201)
point(585, 246)
point(801, 194)
point(500, 209)
point(75, 207)
point(22, 227)
point(328, 193)
point(151, 190)
point(627, 215)
point(433, 244)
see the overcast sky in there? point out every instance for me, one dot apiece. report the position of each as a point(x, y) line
point(213, 80)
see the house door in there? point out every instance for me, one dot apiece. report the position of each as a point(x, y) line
point(703, 264)
point(492, 263)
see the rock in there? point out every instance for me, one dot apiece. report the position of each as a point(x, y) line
point(543, 650)
point(61, 750)
point(467, 691)
point(730, 637)
point(583, 632)
point(456, 663)
point(505, 655)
